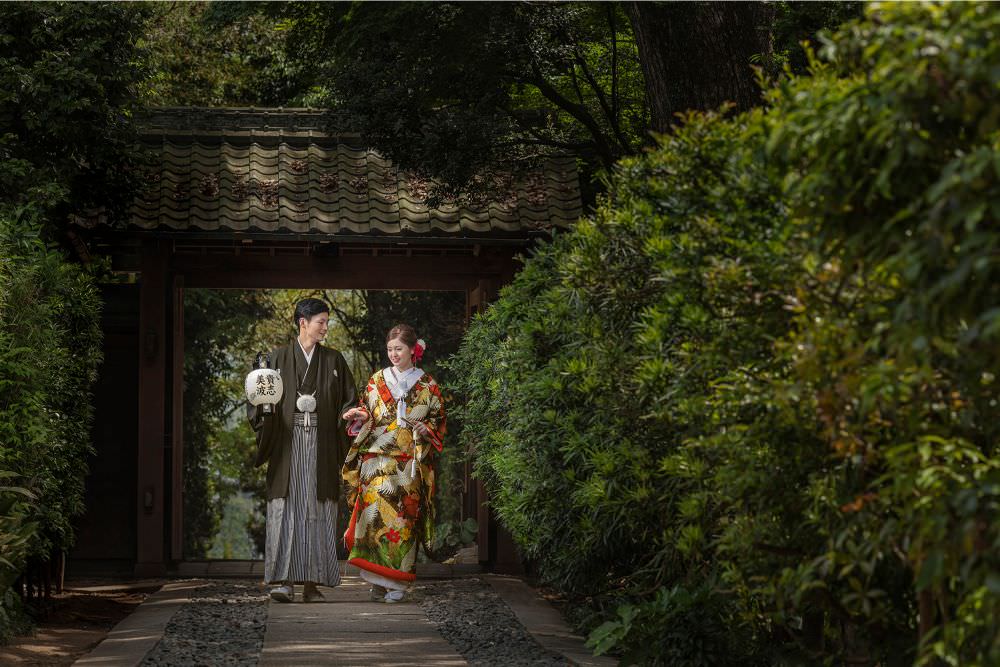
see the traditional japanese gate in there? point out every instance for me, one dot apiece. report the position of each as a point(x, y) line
point(266, 198)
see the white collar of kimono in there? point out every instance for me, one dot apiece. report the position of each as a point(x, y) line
point(401, 382)
point(308, 355)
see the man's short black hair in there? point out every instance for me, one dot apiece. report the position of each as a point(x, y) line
point(309, 308)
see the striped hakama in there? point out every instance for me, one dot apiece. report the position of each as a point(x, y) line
point(301, 531)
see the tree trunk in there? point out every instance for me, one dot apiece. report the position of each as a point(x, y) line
point(697, 55)
point(925, 602)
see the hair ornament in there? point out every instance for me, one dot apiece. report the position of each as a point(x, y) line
point(418, 350)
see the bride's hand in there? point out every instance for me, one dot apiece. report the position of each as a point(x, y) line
point(421, 429)
point(354, 413)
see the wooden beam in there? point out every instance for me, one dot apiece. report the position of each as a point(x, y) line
point(279, 280)
point(152, 380)
point(341, 272)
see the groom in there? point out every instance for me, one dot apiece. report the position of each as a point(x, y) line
point(303, 443)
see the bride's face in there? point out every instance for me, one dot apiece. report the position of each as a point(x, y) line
point(400, 354)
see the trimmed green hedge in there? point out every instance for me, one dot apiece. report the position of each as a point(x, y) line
point(744, 411)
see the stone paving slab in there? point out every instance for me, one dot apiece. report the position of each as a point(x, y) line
point(544, 623)
point(104, 586)
point(348, 629)
point(129, 641)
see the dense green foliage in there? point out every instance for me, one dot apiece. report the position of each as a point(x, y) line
point(16, 533)
point(50, 348)
point(745, 408)
point(50, 320)
point(603, 356)
point(468, 93)
point(67, 82)
point(197, 61)
point(219, 326)
point(68, 78)
point(801, 21)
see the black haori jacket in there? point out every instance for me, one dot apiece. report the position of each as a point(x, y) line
point(333, 383)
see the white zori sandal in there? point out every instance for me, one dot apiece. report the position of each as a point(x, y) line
point(283, 593)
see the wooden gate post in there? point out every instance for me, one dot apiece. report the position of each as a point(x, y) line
point(152, 381)
point(177, 425)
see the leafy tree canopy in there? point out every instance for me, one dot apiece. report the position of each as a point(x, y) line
point(68, 80)
point(457, 90)
point(197, 60)
point(466, 91)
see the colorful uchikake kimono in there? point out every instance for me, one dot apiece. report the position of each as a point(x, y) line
point(390, 477)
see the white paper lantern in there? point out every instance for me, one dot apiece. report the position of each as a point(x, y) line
point(263, 386)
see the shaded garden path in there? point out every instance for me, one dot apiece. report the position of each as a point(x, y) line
point(477, 620)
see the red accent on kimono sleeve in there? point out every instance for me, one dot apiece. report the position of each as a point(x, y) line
point(353, 430)
point(433, 387)
point(349, 533)
point(435, 439)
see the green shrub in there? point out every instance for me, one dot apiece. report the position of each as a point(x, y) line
point(890, 152)
point(747, 406)
point(16, 534)
point(15, 538)
point(592, 378)
point(67, 74)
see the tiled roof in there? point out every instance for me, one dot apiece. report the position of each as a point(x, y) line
point(274, 170)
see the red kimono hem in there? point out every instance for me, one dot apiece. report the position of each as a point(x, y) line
point(382, 570)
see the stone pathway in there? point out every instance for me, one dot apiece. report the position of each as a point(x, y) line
point(544, 623)
point(223, 622)
point(481, 621)
point(130, 641)
point(348, 629)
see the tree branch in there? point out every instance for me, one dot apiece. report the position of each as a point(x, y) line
point(343, 318)
point(576, 85)
point(539, 139)
point(615, 109)
point(603, 149)
point(601, 99)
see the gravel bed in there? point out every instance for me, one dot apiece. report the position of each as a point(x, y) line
point(223, 624)
point(480, 625)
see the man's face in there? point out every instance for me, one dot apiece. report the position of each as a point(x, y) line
point(315, 328)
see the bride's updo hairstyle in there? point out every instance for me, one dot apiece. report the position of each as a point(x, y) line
point(403, 332)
